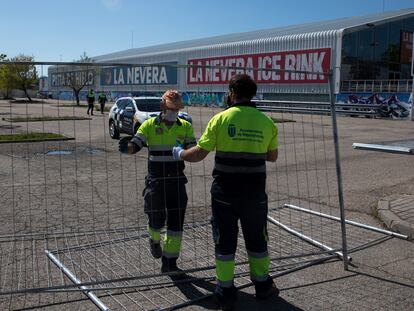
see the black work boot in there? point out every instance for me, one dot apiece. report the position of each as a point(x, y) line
point(156, 250)
point(225, 297)
point(266, 289)
point(169, 265)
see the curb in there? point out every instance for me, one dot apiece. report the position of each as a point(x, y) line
point(393, 221)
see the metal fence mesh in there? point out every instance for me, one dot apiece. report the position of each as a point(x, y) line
point(77, 204)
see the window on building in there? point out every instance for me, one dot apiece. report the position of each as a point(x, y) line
point(381, 43)
point(408, 24)
point(366, 44)
point(394, 41)
point(350, 46)
point(375, 52)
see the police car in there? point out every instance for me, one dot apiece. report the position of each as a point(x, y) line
point(128, 113)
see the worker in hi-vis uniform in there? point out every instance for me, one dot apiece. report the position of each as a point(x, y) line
point(244, 139)
point(165, 193)
point(90, 97)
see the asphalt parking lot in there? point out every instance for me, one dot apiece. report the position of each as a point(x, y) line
point(94, 187)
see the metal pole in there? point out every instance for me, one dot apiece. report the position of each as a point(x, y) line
point(306, 238)
point(412, 99)
point(75, 280)
point(383, 148)
point(338, 170)
point(349, 222)
point(412, 87)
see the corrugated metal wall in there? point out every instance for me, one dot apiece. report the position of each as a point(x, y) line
point(323, 39)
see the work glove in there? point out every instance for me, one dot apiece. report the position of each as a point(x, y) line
point(177, 149)
point(123, 144)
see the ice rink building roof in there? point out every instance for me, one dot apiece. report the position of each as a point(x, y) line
point(345, 24)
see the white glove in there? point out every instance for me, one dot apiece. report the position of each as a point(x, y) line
point(177, 152)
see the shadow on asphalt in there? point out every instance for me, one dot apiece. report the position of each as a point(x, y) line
point(321, 282)
point(382, 279)
point(248, 302)
point(245, 301)
point(191, 291)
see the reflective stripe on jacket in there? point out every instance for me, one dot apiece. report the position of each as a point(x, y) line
point(242, 136)
point(160, 140)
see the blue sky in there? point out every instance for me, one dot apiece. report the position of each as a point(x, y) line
point(54, 30)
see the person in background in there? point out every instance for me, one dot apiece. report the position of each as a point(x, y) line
point(90, 97)
point(244, 139)
point(165, 195)
point(102, 101)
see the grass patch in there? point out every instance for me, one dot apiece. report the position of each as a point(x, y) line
point(25, 101)
point(85, 106)
point(277, 120)
point(40, 119)
point(31, 137)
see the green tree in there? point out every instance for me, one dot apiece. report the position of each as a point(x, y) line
point(22, 74)
point(79, 75)
point(6, 83)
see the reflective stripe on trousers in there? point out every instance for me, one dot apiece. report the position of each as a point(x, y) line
point(225, 269)
point(172, 244)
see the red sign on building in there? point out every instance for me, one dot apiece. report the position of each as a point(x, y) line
point(264, 68)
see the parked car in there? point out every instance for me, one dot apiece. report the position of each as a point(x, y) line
point(128, 113)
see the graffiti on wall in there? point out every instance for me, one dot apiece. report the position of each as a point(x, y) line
point(204, 98)
point(396, 106)
point(207, 99)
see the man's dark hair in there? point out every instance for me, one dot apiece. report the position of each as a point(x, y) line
point(243, 86)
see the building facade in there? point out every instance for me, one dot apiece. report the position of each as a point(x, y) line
point(369, 57)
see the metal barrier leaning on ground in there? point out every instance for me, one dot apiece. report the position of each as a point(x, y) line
point(73, 221)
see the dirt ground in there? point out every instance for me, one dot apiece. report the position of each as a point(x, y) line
point(92, 187)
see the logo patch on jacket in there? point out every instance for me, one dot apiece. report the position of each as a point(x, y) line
point(158, 131)
point(231, 130)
